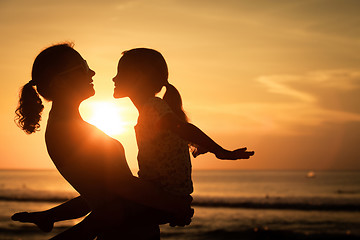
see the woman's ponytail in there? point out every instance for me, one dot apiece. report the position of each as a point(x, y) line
point(28, 113)
point(173, 99)
point(48, 64)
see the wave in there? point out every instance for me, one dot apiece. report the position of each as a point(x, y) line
point(209, 234)
point(347, 192)
point(28, 195)
point(297, 203)
point(273, 234)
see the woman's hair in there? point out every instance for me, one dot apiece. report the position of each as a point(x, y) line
point(152, 64)
point(49, 63)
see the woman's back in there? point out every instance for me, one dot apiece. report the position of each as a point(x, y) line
point(86, 157)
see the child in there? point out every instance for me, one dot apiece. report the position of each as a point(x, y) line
point(163, 132)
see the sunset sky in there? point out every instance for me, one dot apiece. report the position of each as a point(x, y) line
point(279, 77)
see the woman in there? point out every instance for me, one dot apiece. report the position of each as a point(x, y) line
point(92, 162)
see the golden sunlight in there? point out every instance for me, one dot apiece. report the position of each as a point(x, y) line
point(107, 117)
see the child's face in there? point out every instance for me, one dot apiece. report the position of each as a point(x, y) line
point(131, 82)
point(123, 81)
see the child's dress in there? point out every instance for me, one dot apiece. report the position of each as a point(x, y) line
point(163, 156)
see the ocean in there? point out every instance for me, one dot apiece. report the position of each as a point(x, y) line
point(231, 204)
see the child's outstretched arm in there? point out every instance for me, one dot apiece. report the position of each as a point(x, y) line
point(194, 135)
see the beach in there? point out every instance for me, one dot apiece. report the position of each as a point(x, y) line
point(233, 204)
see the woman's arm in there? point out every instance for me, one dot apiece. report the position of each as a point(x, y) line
point(114, 221)
point(193, 134)
point(147, 194)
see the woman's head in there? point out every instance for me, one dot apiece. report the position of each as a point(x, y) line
point(60, 66)
point(144, 71)
point(58, 72)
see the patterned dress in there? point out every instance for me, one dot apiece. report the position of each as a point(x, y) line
point(163, 156)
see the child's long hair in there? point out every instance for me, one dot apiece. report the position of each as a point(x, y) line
point(46, 65)
point(153, 65)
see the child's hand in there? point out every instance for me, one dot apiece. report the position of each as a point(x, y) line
point(182, 219)
point(240, 153)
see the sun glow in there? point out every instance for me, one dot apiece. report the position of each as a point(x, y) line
point(108, 117)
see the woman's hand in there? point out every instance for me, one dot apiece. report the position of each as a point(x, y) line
point(198, 150)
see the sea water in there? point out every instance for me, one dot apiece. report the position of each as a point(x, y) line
point(233, 204)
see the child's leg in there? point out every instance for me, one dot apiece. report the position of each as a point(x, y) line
point(74, 208)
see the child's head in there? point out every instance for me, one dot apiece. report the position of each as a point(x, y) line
point(141, 69)
point(144, 71)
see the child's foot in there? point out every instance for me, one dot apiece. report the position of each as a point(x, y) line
point(37, 218)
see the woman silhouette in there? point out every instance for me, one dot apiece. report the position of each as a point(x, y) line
point(92, 162)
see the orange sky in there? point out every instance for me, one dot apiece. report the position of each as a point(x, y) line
point(280, 77)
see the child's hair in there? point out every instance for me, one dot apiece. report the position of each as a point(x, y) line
point(47, 65)
point(153, 65)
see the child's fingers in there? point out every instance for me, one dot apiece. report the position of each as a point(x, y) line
point(241, 154)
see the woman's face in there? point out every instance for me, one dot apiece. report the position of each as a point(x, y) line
point(77, 78)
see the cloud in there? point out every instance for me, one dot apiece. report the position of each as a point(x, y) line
point(331, 90)
point(127, 4)
point(310, 101)
point(342, 80)
point(277, 84)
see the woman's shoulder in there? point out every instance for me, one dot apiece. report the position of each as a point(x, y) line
point(83, 137)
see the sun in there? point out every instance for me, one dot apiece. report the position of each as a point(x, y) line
point(108, 117)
